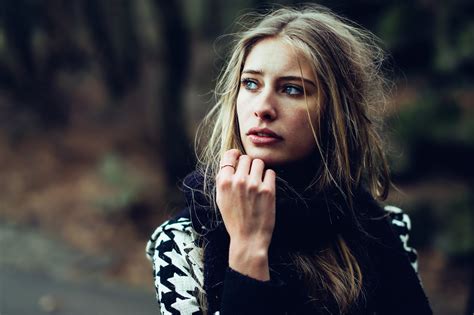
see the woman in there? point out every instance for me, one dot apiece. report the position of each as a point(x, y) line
point(282, 217)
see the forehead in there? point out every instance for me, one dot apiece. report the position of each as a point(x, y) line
point(275, 56)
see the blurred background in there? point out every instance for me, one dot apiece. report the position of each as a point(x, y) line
point(99, 104)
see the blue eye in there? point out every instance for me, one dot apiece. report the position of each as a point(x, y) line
point(292, 90)
point(249, 84)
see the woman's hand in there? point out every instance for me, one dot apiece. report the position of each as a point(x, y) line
point(246, 199)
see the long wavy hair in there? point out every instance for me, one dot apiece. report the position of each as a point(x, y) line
point(346, 61)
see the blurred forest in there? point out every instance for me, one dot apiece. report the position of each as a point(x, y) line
point(99, 104)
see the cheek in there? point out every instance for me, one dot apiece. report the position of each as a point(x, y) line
point(301, 130)
point(242, 110)
point(238, 110)
point(298, 120)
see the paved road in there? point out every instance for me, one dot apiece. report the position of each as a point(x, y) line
point(29, 293)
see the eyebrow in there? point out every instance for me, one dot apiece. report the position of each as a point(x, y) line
point(285, 78)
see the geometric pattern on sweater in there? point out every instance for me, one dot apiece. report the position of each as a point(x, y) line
point(401, 223)
point(178, 269)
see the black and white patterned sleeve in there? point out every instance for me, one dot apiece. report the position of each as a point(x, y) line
point(177, 267)
point(402, 225)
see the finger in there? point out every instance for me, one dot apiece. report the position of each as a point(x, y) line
point(256, 170)
point(230, 157)
point(243, 165)
point(269, 179)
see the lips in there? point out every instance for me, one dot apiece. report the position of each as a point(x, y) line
point(263, 136)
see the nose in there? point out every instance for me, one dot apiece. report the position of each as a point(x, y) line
point(265, 107)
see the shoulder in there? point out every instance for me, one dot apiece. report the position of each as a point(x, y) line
point(400, 221)
point(175, 234)
point(401, 225)
point(177, 266)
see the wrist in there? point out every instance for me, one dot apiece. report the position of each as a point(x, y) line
point(249, 260)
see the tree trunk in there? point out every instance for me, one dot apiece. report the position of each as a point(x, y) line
point(175, 48)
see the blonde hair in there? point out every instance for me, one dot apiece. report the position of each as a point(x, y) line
point(346, 63)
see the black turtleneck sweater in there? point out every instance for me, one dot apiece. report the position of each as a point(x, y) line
point(305, 223)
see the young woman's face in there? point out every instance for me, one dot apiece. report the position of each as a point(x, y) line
point(271, 105)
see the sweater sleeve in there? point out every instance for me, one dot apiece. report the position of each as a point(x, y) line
point(399, 290)
point(178, 277)
point(177, 269)
point(246, 295)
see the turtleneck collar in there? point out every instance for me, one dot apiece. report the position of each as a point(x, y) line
point(298, 174)
point(301, 225)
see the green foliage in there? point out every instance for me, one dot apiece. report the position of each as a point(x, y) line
point(125, 186)
point(433, 118)
point(446, 225)
point(456, 237)
point(390, 26)
point(454, 38)
point(465, 41)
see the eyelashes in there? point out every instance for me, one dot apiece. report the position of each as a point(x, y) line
point(288, 89)
point(249, 84)
point(293, 90)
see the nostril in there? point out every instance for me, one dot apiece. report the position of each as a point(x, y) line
point(264, 115)
point(267, 116)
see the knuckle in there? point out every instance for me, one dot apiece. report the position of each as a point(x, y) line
point(267, 191)
point(253, 186)
point(240, 182)
point(224, 182)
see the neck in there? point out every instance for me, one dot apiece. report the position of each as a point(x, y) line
point(299, 174)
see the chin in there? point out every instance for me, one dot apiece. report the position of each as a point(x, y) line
point(270, 159)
